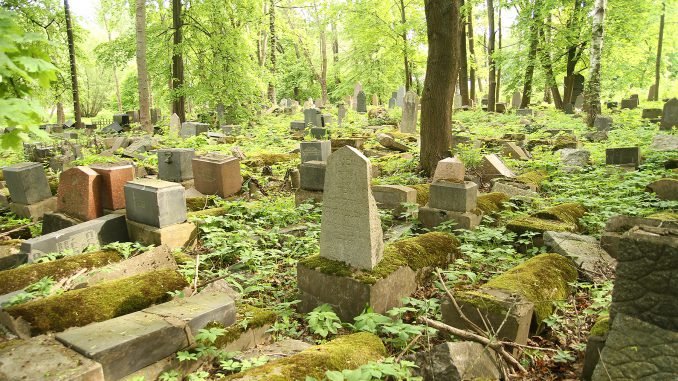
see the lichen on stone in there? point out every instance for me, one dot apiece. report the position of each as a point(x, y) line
point(542, 280)
point(422, 193)
point(525, 224)
point(601, 327)
point(344, 352)
point(492, 202)
point(195, 204)
point(533, 177)
point(427, 250)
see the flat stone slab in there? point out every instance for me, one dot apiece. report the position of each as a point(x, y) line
point(43, 358)
point(585, 251)
point(197, 311)
point(464, 360)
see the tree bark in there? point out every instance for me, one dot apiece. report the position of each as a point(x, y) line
point(61, 118)
point(442, 66)
point(532, 54)
point(472, 54)
point(74, 74)
point(178, 98)
point(272, 59)
point(323, 65)
point(463, 59)
point(492, 76)
point(574, 50)
point(142, 70)
point(497, 95)
point(406, 60)
point(335, 51)
point(593, 93)
point(658, 63)
point(546, 63)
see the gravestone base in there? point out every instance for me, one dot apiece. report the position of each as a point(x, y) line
point(349, 297)
point(303, 195)
point(188, 184)
point(34, 211)
point(594, 346)
point(175, 236)
point(52, 222)
point(10, 257)
point(432, 217)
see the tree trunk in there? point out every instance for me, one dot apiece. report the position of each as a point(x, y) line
point(142, 70)
point(115, 70)
point(323, 65)
point(593, 93)
point(335, 51)
point(573, 53)
point(472, 54)
point(492, 77)
point(658, 63)
point(442, 66)
point(546, 63)
point(497, 95)
point(61, 118)
point(463, 60)
point(178, 98)
point(406, 60)
point(74, 74)
point(273, 44)
point(532, 54)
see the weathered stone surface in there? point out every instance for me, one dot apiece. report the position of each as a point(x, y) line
point(665, 189)
point(409, 119)
point(79, 193)
point(392, 197)
point(312, 175)
point(175, 124)
point(623, 156)
point(670, 115)
point(651, 113)
point(456, 197)
point(97, 232)
point(52, 222)
point(514, 189)
point(351, 228)
point(175, 164)
point(585, 251)
point(525, 112)
point(217, 174)
point(349, 297)
point(313, 117)
point(516, 99)
point(662, 142)
point(114, 178)
point(492, 167)
point(155, 202)
point(27, 183)
point(10, 256)
point(36, 210)
point(574, 158)
point(594, 346)
point(297, 125)
point(189, 129)
point(514, 151)
point(320, 133)
point(361, 102)
point(42, 358)
point(637, 350)
point(449, 169)
point(602, 123)
point(596, 137)
point(315, 151)
point(388, 141)
point(458, 361)
point(628, 104)
point(356, 142)
point(199, 310)
point(431, 217)
point(175, 236)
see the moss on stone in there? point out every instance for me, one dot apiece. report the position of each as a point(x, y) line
point(422, 193)
point(525, 224)
point(568, 212)
point(53, 184)
point(100, 302)
point(345, 352)
point(664, 216)
point(533, 177)
point(564, 141)
point(601, 327)
point(542, 280)
point(195, 204)
point(492, 202)
point(213, 212)
point(269, 159)
point(247, 317)
point(22, 277)
point(481, 300)
point(427, 250)
point(182, 258)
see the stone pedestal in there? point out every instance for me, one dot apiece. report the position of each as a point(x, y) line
point(216, 174)
point(432, 217)
point(456, 197)
point(392, 197)
point(79, 193)
point(155, 202)
point(175, 164)
point(312, 175)
point(315, 151)
point(174, 236)
point(34, 211)
point(27, 183)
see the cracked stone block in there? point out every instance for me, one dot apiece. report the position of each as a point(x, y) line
point(458, 361)
point(585, 251)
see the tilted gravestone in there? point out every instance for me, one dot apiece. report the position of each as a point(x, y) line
point(670, 115)
point(361, 104)
point(27, 183)
point(122, 119)
point(351, 229)
point(175, 164)
point(409, 121)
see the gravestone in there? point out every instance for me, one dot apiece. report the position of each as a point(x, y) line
point(453, 196)
point(623, 156)
point(579, 102)
point(392, 197)
point(456, 102)
point(669, 115)
point(450, 169)
point(79, 193)
point(320, 133)
point(651, 113)
point(315, 151)
point(400, 96)
point(313, 117)
point(650, 92)
point(112, 128)
point(155, 203)
point(409, 120)
point(611, 105)
point(114, 177)
point(175, 124)
point(628, 104)
point(217, 174)
point(602, 123)
point(27, 183)
point(297, 125)
point(361, 103)
point(312, 175)
point(175, 164)
point(516, 100)
point(341, 113)
point(189, 129)
point(122, 119)
point(391, 103)
point(635, 98)
point(351, 229)
point(70, 123)
point(500, 108)
point(356, 90)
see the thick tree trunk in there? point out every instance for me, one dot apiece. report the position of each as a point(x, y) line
point(658, 63)
point(573, 53)
point(492, 76)
point(531, 55)
point(442, 21)
point(178, 99)
point(142, 70)
point(497, 95)
point(323, 66)
point(74, 74)
point(272, 59)
point(546, 63)
point(472, 54)
point(593, 93)
point(463, 60)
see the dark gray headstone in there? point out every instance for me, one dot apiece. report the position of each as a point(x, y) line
point(629, 104)
point(122, 119)
point(313, 116)
point(670, 114)
point(155, 202)
point(623, 156)
point(312, 175)
point(27, 183)
point(189, 129)
point(112, 128)
point(320, 133)
point(341, 113)
point(362, 102)
point(297, 125)
point(315, 151)
point(175, 164)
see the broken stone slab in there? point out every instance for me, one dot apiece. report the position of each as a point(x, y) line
point(388, 141)
point(618, 225)
point(572, 158)
point(458, 361)
point(651, 113)
point(277, 350)
point(42, 358)
point(585, 251)
point(663, 142)
point(664, 189)
point(514, 151)
point(97, 232)
point(189, 129)
point(492, 167)
point(432, 217)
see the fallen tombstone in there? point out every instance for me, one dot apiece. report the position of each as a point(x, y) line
point(514, 151)
point(492, 167)
point(387, 141)
point(627, 156)
point(665, 189)
point(663, 142)
point(585, 251)
point(574, 159)
point(464, 360)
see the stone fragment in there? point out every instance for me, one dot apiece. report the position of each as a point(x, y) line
point(79, 193)
point(585, 251)
point(392, 197)
point(628, 104)
point(315, 150)
point(662, 142)
point(514, 151)
point(217, 174)
point(350, 229)
point(36, 210)
point(114, 178)
point(669, 115)
point(572, 158)
point(449, 169)
point(155, 202)
point(387, 141)
point(175, 164)
point(602, 123)
point(492, 167)
point(312, 175)
point(665, 189)
point(456, 197)
point(458, 361)
point(651, 113)
point(27, 183)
